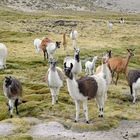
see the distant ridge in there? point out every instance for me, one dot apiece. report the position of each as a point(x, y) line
point(126, 6)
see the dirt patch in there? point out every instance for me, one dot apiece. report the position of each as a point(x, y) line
point(6, 129)
point(54, 130)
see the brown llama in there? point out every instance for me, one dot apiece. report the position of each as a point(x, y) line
point(43, 46)
point(119, 65)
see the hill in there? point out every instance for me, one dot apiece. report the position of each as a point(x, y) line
point(131, 6)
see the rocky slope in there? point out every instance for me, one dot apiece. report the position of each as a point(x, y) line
point(30, 5)
point(132, 6)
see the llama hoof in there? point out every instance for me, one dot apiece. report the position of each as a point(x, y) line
point(11, 116)
point(87, 122)
point(57, 101)
point(134, 102)
point(75, 121)
point(101, 116)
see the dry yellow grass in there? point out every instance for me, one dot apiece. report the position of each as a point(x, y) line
point(18, 30)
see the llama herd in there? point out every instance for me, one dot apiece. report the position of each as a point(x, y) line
point(94, 84)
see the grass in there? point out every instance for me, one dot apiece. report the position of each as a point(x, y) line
point(29, 67)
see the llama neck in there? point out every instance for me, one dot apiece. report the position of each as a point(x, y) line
point(126, 63)
point(71, 82)
point(93, 64)
point(53, 69)
point(77, 58)
point(104, 71)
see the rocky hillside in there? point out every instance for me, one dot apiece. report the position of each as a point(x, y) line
point(132, 6)
point(29, 5)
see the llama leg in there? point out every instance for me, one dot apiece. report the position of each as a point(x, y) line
point(131, 90)
point(85, 107)
point(16, 105)
point(11, 107)
point(100, 102)
point(91, 72)
point(77, 104)
point(134, 95)
point(4, 63)
point(53, 96)
point(57, 93)
point(47, 55)
point(86, 70)
point(75, 43)
point(112, 76)
point(117, 78)
point(44, 55)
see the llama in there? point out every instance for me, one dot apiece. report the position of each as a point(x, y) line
point(74, 36)
point(110, 25)
point(119, 65)
point(54, 79)
point(51, 48)
point(90, 66)
point(64, 41)
point(107, 56)
point(3, 56)
point(47, 46)
point(37, 43)
point(85, 89)
point(77, 66)
point(44, 43)
point(122, 20)
point(13, 91)
point(133, 78)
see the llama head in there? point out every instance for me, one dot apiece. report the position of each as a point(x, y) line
point(95, 58)
point(52, 63)
point(109, 53)
point(8, 81)
point(58, 43)
point(130, 52)
point(76, 54)
point(67, 70)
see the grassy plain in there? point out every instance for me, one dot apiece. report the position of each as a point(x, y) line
point(18, 30)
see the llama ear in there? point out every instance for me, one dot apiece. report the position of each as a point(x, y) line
point(6, 77)
point(128, 50)
point(65, 65)
point(71, 65)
